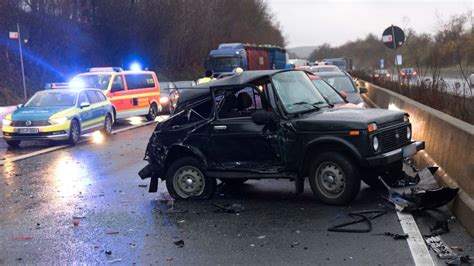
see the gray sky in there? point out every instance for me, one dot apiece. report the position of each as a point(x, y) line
point(313, 22)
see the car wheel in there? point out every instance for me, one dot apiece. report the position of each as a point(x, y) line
point(334, 178)
point(152, 112)
point(74, 132)
point(234, 182)
point(187, 179)
point(13, 143)
point(108, 125)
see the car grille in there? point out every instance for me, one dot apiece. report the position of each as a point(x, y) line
point(33, 123)
point(389, 140)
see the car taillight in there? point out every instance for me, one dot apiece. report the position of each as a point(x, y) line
point(388, 74)
point(414, 72)
point(376, 75)
point(403, 73)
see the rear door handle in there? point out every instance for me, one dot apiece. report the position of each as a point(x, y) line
point(220, 128)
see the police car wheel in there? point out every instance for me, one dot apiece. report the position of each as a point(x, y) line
point(186, 179)
point(108, 125)
point(13, 143)
point(74, 132)
point(152, 113)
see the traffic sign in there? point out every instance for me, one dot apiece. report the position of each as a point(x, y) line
point(398, 60)
point(382, 63)
point(393, 37)
point(13, 35)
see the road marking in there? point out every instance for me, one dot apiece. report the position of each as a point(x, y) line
point(416, 243)
point(51, 149)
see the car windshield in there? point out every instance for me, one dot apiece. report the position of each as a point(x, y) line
point(52, 98)
point(99, 81)
point(220, 62)
point(341, 83)
point(327, 91)
point(297, 92)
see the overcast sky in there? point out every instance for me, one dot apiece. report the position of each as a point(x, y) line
point(313, 22)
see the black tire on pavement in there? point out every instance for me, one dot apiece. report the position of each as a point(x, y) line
point(334, 178)
point(108, 122)
point(74, 132)
point(186, 179)
point(13, 143)
point(152, 112)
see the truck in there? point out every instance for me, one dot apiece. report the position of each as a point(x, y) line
point(344, 64)
point(229, 56)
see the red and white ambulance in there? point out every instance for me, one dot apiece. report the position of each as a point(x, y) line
point(132, 93)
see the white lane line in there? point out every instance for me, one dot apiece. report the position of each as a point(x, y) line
point(51, 149)
point(416, 243)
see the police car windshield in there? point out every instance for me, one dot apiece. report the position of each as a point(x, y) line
point(98, 81)
point(52, 98)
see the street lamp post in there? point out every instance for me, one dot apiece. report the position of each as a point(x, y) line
point(21, 60)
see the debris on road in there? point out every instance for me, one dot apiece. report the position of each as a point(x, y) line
point(234, 208)
point(179, 243)
point(76, 223)
point(363, 218)
point(108, 252)
point(114, 261)
point(78, 217)
point(395, 236)
point(440, 227)
point(442, 250)
point(261, 237)
point(141, 185)
point(112, 232)
point(169, 258)
point(23, 238)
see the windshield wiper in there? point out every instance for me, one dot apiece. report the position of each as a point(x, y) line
point(326, 102)
point(312, 106)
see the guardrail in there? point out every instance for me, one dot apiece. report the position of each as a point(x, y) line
point(449, 145)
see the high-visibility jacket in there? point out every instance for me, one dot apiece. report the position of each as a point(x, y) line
point(204, 80)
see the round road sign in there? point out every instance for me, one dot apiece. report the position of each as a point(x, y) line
point(393, 37)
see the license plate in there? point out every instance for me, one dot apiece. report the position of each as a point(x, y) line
point(409, 150)
point(28, 130)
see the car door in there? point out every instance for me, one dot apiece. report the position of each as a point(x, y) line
point(236, 141)
point(85, 114)
point(96, 110)
point(118, 96)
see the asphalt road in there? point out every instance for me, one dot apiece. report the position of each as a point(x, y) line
point(86, 204)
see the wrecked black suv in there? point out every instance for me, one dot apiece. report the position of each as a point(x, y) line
point(274, 124)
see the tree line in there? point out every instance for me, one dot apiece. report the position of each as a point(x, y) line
point(172, 37)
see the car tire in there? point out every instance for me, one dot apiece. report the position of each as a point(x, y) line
point(334, 178)
point(234, 182)
point(107, 130)
point(186, 179)
point(13, 143)
point(152, 112)
point(74, 132)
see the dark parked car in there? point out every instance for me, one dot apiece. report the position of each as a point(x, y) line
point(343, 83)
point(274, 124)
point(167, 96)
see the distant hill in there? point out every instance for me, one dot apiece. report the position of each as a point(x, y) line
point(301, 52)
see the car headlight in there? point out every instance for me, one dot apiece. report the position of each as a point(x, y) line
point(375, 143)
point(6, 122)
point(164, 99)
point(408, 133)
point(58, 121)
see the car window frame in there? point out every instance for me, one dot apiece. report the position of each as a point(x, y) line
point(231, 87)
point(152, 77)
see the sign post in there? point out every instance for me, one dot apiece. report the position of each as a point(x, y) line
point(394, 37)
point(17, 36)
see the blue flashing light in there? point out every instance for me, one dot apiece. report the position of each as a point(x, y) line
point(135, 66)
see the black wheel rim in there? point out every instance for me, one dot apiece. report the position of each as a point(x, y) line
point(75, 131)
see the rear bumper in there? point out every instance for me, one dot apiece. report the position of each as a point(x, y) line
point(396, 155)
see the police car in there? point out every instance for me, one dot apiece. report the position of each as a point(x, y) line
point(59, 114)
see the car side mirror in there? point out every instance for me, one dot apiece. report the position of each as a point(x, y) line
point(363, 90)
point(84, 105)
point(262, 117)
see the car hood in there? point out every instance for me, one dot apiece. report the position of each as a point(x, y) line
point(36, 113)
point(345, 119)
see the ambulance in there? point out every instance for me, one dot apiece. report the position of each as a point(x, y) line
point(132, 93)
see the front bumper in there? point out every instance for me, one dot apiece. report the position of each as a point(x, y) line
point(396, 155)
point(52, 132)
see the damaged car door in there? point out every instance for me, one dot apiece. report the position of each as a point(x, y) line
point(238, 144)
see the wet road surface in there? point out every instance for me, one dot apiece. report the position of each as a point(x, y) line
point(86, 204)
